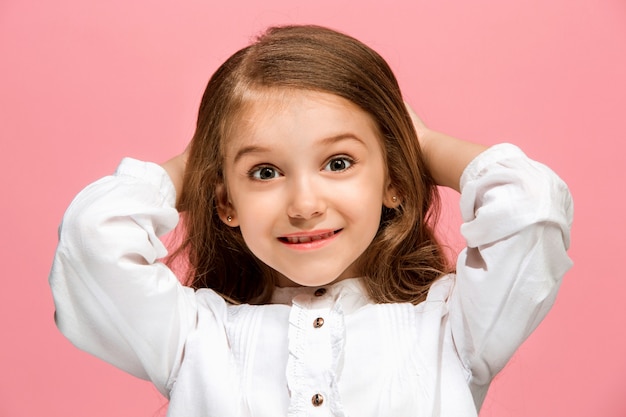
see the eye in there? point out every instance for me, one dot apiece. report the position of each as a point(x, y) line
point(263, 173)
point(339, 164)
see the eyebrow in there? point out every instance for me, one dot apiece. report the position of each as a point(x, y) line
point(325, 142)
point(249, 149)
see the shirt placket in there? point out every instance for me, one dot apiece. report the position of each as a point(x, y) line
point(316, 334)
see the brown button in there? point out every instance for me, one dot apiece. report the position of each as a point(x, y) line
point(319, 292)
point(317, 400)
point(318, 322)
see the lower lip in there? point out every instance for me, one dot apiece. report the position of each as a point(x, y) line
point(315, 244)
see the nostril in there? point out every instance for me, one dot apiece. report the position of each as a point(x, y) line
point(303, 214)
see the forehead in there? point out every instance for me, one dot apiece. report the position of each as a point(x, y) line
point(271, 115)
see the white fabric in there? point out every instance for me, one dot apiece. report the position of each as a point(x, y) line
point(116, 300)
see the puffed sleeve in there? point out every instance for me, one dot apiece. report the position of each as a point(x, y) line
point(113, 297)
point(517, 216)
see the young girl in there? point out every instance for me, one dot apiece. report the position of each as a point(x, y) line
point(316, 285)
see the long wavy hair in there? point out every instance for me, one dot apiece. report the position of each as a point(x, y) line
point(404, 258)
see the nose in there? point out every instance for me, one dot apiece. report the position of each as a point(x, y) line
point(306, 199)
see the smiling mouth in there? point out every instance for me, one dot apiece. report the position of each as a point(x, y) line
point(308, 238)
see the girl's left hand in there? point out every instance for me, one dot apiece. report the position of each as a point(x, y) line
point(445, 156)
point(418, 124)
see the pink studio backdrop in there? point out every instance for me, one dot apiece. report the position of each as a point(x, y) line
point(85, 83)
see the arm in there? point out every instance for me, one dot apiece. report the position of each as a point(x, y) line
point(113, 296)
point(517, 216)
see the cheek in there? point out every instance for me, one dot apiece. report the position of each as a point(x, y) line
point(256, 239)
point(373, 216)
point(372, 203)
point(256, 217)
point(366, 195)
point(363, 205)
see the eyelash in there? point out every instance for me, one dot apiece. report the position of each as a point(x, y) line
point(252, 174)
point(344, 158)
point(255, 172)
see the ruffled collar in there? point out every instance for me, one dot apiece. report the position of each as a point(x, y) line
point(350, 287)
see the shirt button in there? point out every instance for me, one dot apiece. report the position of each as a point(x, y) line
point(318, 322)
point(317, 400)
point(319, 292)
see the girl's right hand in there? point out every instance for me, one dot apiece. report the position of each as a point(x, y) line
point(175, 168)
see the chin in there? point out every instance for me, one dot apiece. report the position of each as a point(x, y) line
point(315, 274)
point(300, 281)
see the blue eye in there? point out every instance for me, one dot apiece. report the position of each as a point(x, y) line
point(339, 164)
point(264, 173)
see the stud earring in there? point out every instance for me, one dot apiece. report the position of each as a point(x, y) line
point(394, 199)
point(229, 219)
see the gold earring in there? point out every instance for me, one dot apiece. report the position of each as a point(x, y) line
point(394, 198)
point(229, 219)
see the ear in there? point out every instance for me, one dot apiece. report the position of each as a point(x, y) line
point(225, 208)
point(391, 198)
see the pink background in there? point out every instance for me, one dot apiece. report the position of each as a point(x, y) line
point(85, 83)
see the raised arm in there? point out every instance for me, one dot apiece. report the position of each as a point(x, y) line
point(113, 296)
point(517, 215)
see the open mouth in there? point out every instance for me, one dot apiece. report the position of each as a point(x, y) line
point(309, 238)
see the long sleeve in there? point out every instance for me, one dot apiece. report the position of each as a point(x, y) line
point(517, 217)
point(113, 297)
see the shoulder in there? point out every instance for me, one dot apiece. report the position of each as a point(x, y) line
point(441, 289)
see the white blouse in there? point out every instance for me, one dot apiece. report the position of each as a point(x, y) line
point(326, 351)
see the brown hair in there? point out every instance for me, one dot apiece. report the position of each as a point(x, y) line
point(404, 258)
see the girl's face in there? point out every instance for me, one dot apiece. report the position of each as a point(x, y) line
point(306, 182)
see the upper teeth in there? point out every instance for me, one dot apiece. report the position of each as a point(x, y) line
point(307, 239)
